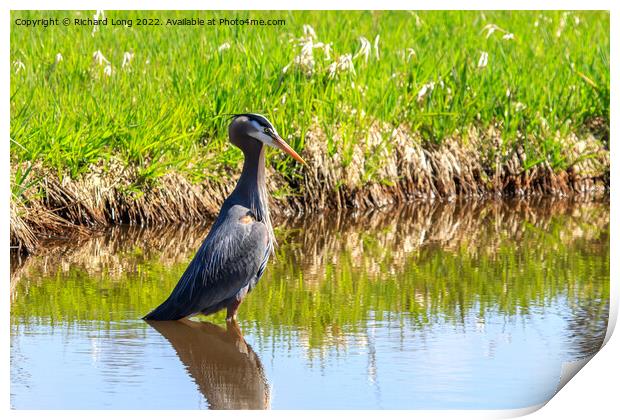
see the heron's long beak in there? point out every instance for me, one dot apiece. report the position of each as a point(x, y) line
point(282, 145)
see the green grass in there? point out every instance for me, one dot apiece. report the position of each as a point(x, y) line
point(167, 112)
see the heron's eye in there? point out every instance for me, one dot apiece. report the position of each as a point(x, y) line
point(266, 130)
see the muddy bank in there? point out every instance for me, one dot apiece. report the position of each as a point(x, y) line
point(387, 167)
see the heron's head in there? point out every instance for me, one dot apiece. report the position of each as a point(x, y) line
point(245, 130)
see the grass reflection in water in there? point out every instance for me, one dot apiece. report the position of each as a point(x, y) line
point(333, 273)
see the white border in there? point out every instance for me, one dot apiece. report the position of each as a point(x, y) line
point(592, 393)
point(314, 5)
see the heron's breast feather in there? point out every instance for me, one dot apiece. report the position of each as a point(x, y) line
point(245, 220)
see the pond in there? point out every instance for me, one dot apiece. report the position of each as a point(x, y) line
point(460, 305)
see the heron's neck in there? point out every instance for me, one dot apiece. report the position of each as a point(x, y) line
point(251, 190)
point(252, 180)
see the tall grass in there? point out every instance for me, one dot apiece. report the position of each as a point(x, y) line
point(165, 109)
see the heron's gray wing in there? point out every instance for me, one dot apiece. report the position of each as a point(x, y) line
point(233, 255)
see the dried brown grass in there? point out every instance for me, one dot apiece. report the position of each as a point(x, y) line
point(389, 165)
point(405, 167)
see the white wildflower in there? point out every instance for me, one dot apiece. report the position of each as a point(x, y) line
point(58, 58)
point(99, 15)
point(108, 70)
point(327, 50)
point(309, 31)
point(484, 60)
point(508, 93)
point(99, 58)
point(364, 49)
point(127, 57)
point(224, 46)
point(426, 89)
point(344, 63)
point(410, 53)
point(376, 46)
point(519, 107)
point(577, 20)
point(418, 21)
point(19, 66)
point(331, 70)
point(490, 28)
point(560, 29)
point(306, 49)
point(321, 46)
point(305, 60)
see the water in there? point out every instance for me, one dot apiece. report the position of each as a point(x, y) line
point(451, 306)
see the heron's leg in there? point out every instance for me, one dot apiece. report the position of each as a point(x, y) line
point(233, 304)
point(231, 309)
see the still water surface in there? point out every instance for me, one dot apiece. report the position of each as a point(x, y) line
point(450, 306)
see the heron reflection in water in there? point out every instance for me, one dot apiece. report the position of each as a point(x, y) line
point(227, 371)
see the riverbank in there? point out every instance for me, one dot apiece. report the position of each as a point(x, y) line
point(117, 124)
point(403, 168)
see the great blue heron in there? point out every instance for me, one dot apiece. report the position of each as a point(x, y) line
point(234, 254)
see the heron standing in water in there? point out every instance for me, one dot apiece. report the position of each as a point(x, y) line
point(233, 257)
